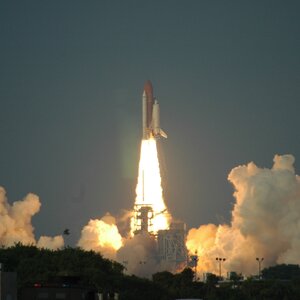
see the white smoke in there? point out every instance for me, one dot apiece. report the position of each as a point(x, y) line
point(101, 236)
point(51, 243)
point(139, 255)
point(265, 220)
point(15, 222)
point(265, 223)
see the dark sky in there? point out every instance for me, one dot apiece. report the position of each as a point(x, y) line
point(226, 73)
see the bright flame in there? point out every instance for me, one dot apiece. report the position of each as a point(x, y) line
point(149, 190)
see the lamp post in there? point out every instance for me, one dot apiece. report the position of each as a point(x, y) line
point(259, 261)
point(220, 260)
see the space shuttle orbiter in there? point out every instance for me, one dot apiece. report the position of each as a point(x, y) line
point(151, 122)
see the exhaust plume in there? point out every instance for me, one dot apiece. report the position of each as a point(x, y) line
point(149, 190)
point(15, 223)
point(265, 221)
point(139, 255)
point(101, 236)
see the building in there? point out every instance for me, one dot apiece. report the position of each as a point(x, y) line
point(8, 285)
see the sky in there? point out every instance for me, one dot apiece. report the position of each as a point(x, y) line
point(226, 74)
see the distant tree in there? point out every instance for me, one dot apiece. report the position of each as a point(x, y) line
point(180, 285)
point(164, 279)
point(88, 268)
point(277, 290)
point(35, 265)
point(211, 279)
point(134, 288)
point(186, 277)
point(235, 278)
point(40, 265)
point(283, 272)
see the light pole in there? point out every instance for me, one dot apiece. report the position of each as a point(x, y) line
point(259, 261)
point(220, 260)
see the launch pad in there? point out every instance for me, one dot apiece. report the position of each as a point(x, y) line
point(143, 217)
point(171, 247)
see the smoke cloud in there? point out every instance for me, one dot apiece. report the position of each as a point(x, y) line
point(15, 223)
point(139, 255)
point(102, 236)
point(265, 221)
point(51, 243)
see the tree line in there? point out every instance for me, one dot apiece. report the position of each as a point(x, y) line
point(39, 266)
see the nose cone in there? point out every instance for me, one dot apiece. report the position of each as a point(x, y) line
point(148, 87)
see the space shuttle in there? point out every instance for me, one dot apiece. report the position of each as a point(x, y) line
point(151, 121)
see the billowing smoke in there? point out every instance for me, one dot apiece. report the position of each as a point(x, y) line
point(139, 255)
point(137, 252)
point(102, 236)
point(51, 243)
point(265, 221)
point(15, 223)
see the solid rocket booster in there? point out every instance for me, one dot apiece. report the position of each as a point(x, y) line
point(151, 120)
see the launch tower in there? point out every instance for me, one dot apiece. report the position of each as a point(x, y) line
point(143, 215)
point(171, 244)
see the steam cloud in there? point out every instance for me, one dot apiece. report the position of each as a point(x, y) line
point(15, 223)
point(101, 236)
point(51, 243)
point(265, 221)
point(139, 255)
